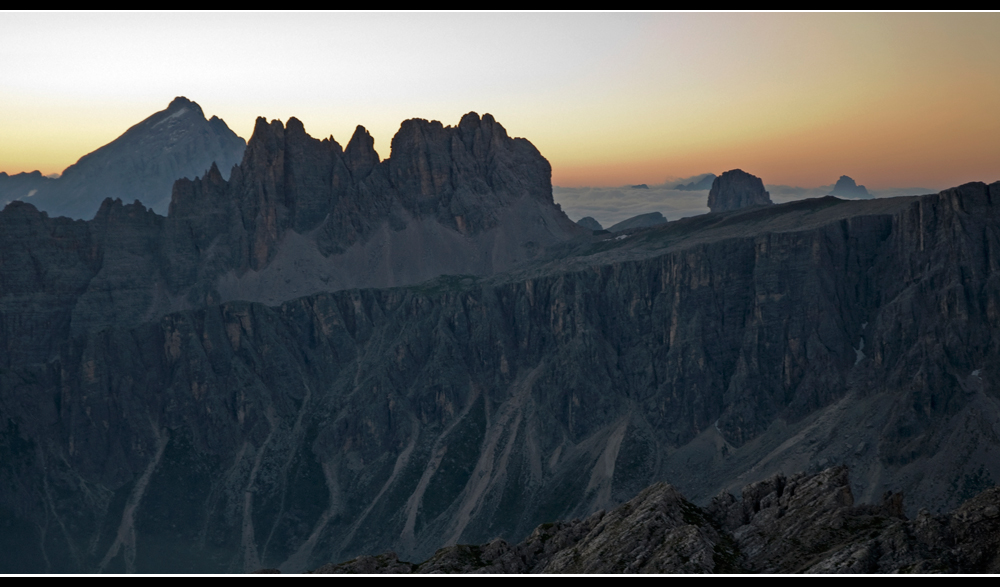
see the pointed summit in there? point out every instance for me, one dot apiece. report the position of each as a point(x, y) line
point(359, 155)
point(144, 162)
point(180, 103)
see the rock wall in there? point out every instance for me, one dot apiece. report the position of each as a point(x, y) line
point(296, 217)
point(711, 352)
point(737, 189)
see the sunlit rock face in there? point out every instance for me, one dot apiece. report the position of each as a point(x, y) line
point(737, 189)
point(265, 377)
point(143, 163)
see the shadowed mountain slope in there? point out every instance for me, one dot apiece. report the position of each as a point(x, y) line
point(711, 352)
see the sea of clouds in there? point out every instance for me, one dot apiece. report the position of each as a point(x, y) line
point(610, 205)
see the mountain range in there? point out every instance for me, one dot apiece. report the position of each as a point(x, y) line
point(329, 355)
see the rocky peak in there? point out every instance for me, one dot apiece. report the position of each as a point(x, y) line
point(736, 189)
point(143, 163)
point(846, 187)
point(359, 155)
point(463, 175)
point(180, 102)
point(470, 121)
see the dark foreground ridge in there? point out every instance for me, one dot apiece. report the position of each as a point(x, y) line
point(798, 524)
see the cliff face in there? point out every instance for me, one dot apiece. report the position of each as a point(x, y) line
point(297, 216)
point(737, 189)
point(710, 352)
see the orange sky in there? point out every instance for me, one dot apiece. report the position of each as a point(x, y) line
point(890, 99)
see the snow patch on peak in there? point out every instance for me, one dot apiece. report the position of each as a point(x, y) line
point(172, 116)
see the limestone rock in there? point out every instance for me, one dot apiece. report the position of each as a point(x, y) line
point(737, 189)
point(846, 188)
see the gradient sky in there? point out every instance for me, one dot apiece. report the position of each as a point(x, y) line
point(891, 99)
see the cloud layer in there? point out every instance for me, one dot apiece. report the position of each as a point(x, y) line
point(612, 205)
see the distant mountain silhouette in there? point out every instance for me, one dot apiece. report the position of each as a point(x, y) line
point(142, 164)
point(846, 188)
point(704, 183)
point(21, 186)
point(736, 189)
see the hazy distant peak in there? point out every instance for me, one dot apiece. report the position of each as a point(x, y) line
point(24, 174)
point(700, 182)
point(846, 187)
point(142, 163)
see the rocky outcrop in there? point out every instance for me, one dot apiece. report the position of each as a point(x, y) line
point(801, 524)
point(713, 352)
point(640, 221)
point(143, 163)
point(846, 188)
point(656, 532)
point(589, 223)
point(737, 189)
